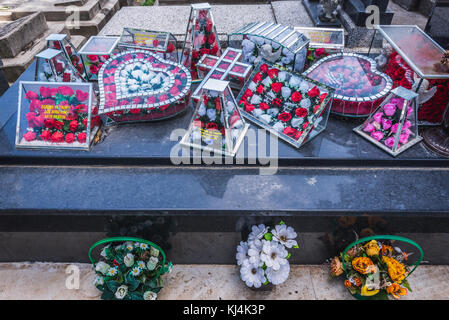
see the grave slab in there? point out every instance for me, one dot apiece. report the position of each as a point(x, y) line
point(291, 13)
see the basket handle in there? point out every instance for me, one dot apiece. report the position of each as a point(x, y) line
point(161, 271)
point(386, 237)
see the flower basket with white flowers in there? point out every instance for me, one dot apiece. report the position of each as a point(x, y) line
point(263, 258)
point(129, 270)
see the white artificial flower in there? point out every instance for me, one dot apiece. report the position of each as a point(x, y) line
point(256, 99)
point(259, 40)
point(303, 87)
point(136, 271)
point(267, 81)
point(152, 263)
point(230, 106)
point(257, 112)
point(149, 295)
point(128, 260)
point(296, 122)
point(237, 125)
point(129, 68)
point(254, 250)
point(275, 45)
point(282, 75)
point(286, 60)
point(103, 251)
point(295, 81)
point(143, 246)
point(99, 281)
point(242, 252)
point(257, 232)
point(112, 272)
point(129, 246)
point(265, 118)
point(141, 264)
point(273, 254)
point(254, 59)
point(286, 52)
point(121, 292)
point(285, 235)
point(273, 111)
point(212, 114)
point(286, 92)
point(305, 103)
point(137, 74)
point(252, 275)
point(252, 86)
point(102, 267)
point(202, 110)
point(247, 46)
point(278, 276)
point(278, 126)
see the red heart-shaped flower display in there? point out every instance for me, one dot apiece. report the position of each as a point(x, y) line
point(359, 87)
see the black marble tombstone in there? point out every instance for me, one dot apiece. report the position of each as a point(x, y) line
point(3, 82)
point(438, 23)
point(356, 9)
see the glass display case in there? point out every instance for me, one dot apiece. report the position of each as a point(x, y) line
point(56, 115)
point(415, 64)
point(95, 52)
point(226, 67)
point(52, 66)
point(163, 44)
point(217, 125)
point(285, 103)
point(359, 87)
point(323, 42)
point(201, 37)
point(60, 41)
point(393, 126)
point(276, 43)
point(138, 85)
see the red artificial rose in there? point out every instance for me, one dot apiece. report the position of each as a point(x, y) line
point(248, 93)
point(284, 116)
point(92, 58)
point(81, 96)
point(195, 54)
point(214, 49)
point(45, 92)
point(305, 125)
point(260, 89)
point(298, 135)
point(198, 123)
point(212, 126)
point(314, 92)
point(296, 97)
point(56, 45)
point(211, 38)
point(155, 42)
point(45, 135)
point(276, 87)
point(59, 67)
point(322, 97)
point(49, 123)
point(58, 124)
point(57, 137)
point(66, 77)
point(96, 121)
point(81, 108)
point(35, 105)
point(69, 138)
point(81, 137)
point(30, 136)
point(264, 106)
point(301, 112)
point(94, 110)
point(134, 111)
point(71, 117)
point(209, 25)
point(171, 47)
point(73, 125)
point(249, 107)
point(315, 109)
point(264, 67)
point(257, 77)
point(204, 51)
point(273, 73)
point(319, 52)
point(30, 95)
point(290, 131)
point(66, 91)
point(93, 69)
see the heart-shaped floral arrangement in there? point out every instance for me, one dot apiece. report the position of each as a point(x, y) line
point(359, 87)
point(140, 82)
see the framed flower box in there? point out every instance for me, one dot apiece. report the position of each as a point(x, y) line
point(95, 52)
point(162, 43)
point(323, 42)
point(56, 115)
point(276, 43)
point(293, 107)
point(53, 66)
point(393, 126)
point(359, 87)
point(139, 86)
point(60, 41)
point(217, 125)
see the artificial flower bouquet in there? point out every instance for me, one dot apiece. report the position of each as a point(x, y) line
point(56, 115)
point(73, 56)
point(129, 270)
point(289, 105)
point(263, 258)
point(53, 66)
point(315, 54)
point(201, 38)
point(140, 86)
point(375, 268)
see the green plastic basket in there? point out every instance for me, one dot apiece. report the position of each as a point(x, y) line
point(382, 237)
point(161, 271)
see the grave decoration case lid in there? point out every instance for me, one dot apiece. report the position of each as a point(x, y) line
point(217, 125)
point(393, 126)
point(163, 43)
point(359, 87)
point(327, 38)
point(141, 86)
point(276, 43)
point(53, 66)
point(292, 107)
point(56, 115)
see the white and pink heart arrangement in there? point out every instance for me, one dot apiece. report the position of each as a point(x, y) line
point(140, 86)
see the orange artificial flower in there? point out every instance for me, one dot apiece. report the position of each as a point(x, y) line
point(358, 282)
point(396, 270)
point(347, 283)
point(396, 290)
point(364, 265)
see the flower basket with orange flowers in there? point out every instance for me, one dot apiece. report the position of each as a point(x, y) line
point(374, 269)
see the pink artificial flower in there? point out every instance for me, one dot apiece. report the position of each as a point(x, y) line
point(377, 135)
point(369, 128)
point(45, 92)
point(389, 109)
point(378, 117)
point(389, 142)
point(81, 96)
point(394, 128)
point(407, 124)
point(66, 91)
point(31, 95)
point(30, 136)
point(409, 111)
point(403, 138)
point(386, 124)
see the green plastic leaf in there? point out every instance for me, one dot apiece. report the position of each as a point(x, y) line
point(268, 236)
point(296, 247)
point(281, 223)
point(107, 295)
point(135, 296)
point(112, 285)
point(288, 256)
point(406, 285)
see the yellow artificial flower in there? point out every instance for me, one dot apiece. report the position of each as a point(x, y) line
point(368, 293)
point(336, 267)
point(396, 270)
point(364, 265)
point(372, 248)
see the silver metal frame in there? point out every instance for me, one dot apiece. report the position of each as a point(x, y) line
point(83, 51)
